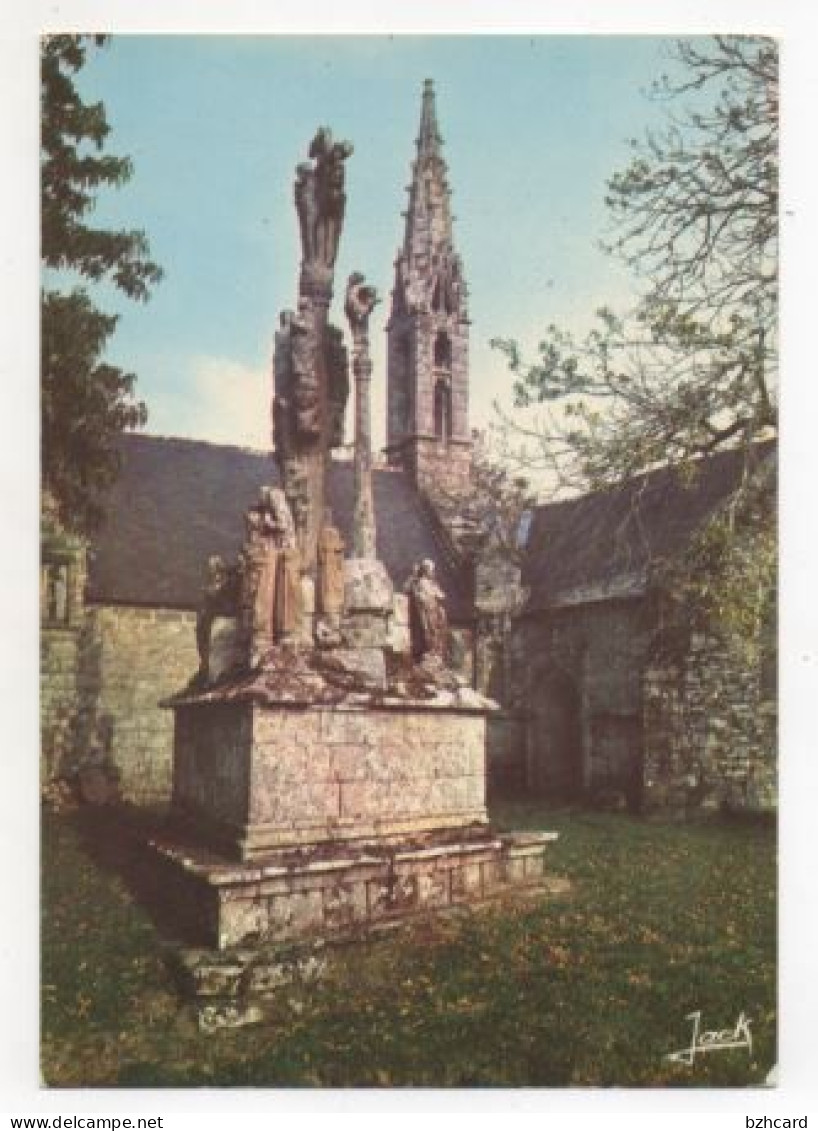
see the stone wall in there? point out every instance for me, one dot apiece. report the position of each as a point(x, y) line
point(617, 716)
point(59, 716)
point(62, 620)
point(505, 753)
point(710, 730)
point(437, 466)
point(499, 668)
point(101, 687)
point(578, 671)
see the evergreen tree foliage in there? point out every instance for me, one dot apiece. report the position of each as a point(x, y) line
point(86, 403)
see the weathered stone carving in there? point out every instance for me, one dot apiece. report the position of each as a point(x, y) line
point(345, 775)
point(306, 205)
point(360, 301)
point(270, 600)
point(428, 623)
point(359, 304)
point(337, 366)
point(219, 598)
point(305, 386)
point(297, 403)
point(311, 370)
point(320, 198)
point(330, 570)
point(288, 596)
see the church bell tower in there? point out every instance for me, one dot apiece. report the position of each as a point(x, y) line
point(427, 332)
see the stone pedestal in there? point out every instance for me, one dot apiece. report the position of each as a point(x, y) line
point(251, 778)
point(288, 896)
point(302, 815)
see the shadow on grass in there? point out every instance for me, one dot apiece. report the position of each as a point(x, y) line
point(117, 840)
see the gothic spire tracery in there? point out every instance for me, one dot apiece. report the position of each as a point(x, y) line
point(428, 219)
point(429, 139)
point(428, 328)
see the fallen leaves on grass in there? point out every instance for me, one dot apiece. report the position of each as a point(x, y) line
point(664, 919)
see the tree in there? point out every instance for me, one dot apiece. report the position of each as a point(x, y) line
point(496, 501)
point(693, 369)
point(86, 403)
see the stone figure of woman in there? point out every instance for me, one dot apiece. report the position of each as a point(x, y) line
point(218, 599)
point(258, 572)
point(270, 573)
point(330, 570)
point(428, 623)
point(287, 602)
point(306, 203)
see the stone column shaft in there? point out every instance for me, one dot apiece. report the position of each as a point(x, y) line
point(316, 301)
point(364, 534)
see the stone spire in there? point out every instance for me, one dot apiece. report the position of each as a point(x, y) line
point(429, 138)
point(428, 329)
point(428, 219)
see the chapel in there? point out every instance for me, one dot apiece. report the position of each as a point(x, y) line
point(604, 697)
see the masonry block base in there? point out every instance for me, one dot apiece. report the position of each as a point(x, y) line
point(297, 825)
point(259, 980)
point(292, 895)
point(252, 778)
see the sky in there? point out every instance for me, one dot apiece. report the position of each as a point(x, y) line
point(215, 125)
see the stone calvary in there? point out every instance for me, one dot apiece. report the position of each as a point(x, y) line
point(324, 781)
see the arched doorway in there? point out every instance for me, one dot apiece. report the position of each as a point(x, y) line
point(555, 754)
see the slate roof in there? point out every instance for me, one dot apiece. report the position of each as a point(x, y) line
point(601, 545)
point(178, 501)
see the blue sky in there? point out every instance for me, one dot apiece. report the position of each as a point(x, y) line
point(215, 125)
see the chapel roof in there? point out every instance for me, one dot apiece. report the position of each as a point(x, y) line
point(602, 545)
point(177, 501)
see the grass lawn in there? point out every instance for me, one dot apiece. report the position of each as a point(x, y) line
point(586, 989)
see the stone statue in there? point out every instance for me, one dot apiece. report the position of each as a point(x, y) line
point(297, 403)
point(306, 204)
point(281, 430)
point(320, 199)
point(277, 516)
point(270, 573)
point(305, 390)
point(330, 570)
point(257, 569)
point(288, 596)
point(219, 598)
point(311, 370)
point(428, 623)
point(359, 303)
